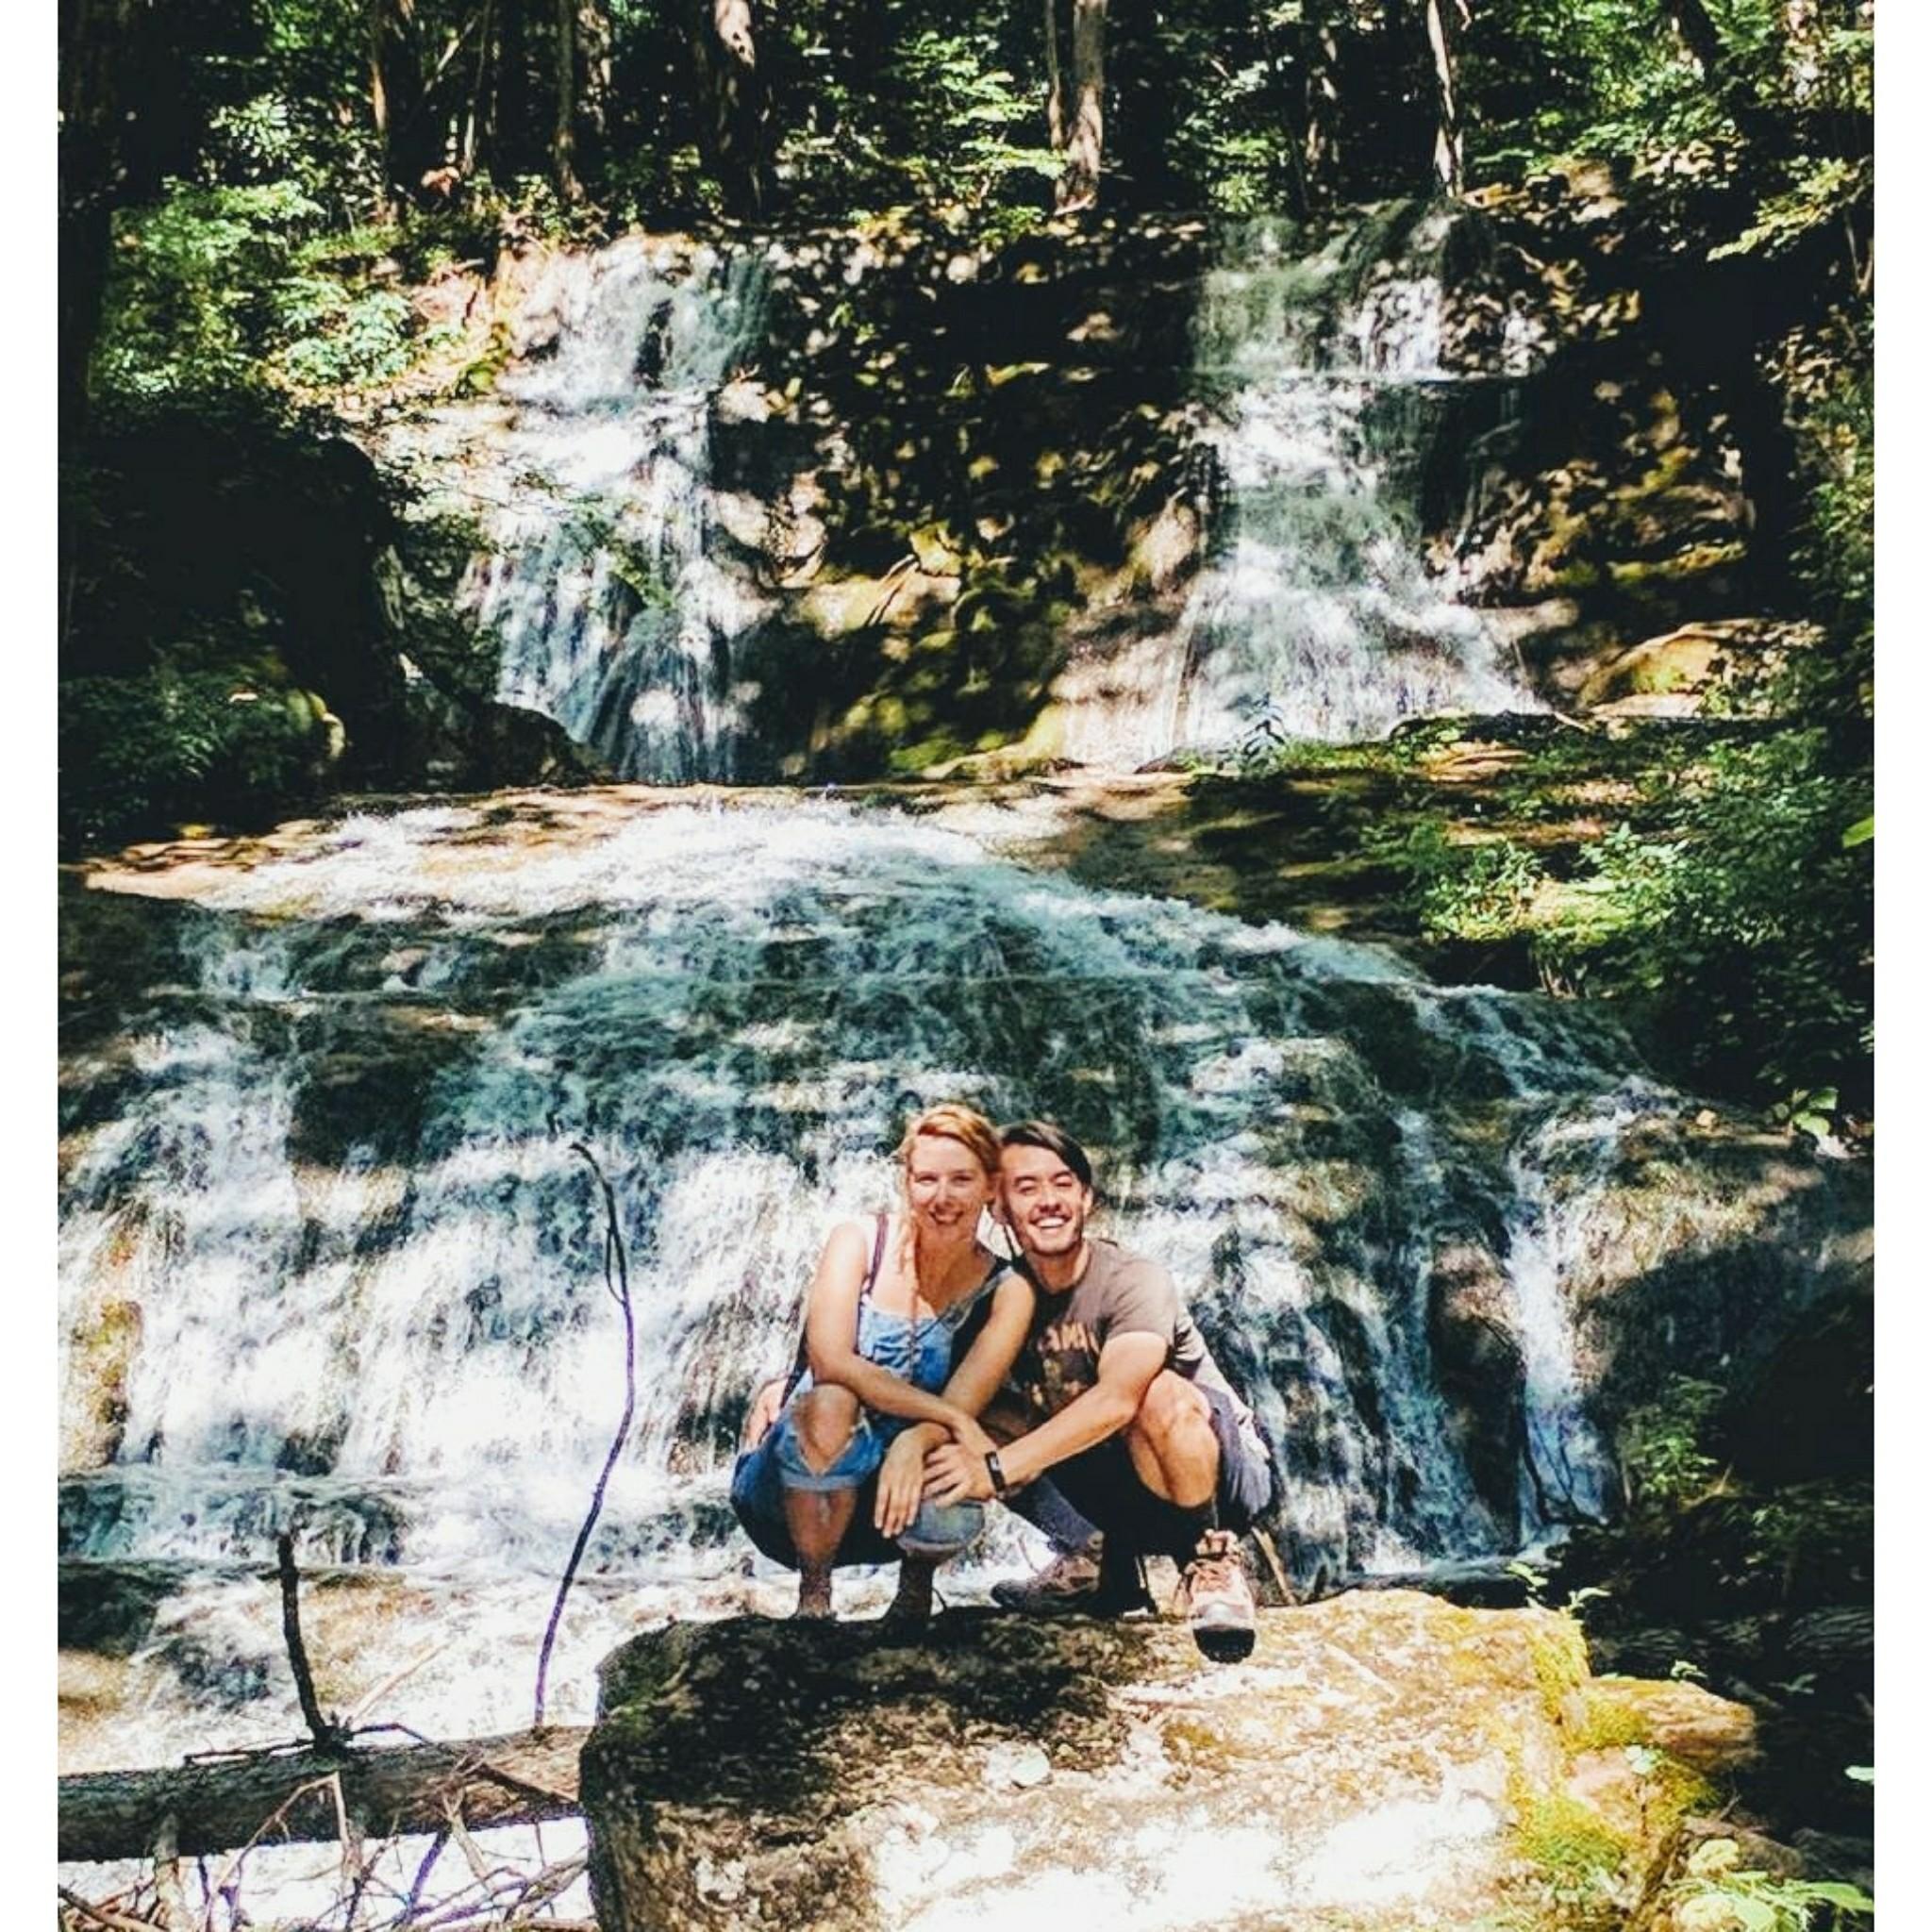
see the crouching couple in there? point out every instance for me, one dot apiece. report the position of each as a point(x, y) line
point(1070, 1384)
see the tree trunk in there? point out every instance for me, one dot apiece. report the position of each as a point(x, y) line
point(1055, 90)
point(1079, 182)
point(1321, 106)
point(1748, 114)
point(1444, 21)
point(94, 34)
point(592, 83)
point(521, 1778)
point(731, 118)
point(563, 146)
point(404, 129)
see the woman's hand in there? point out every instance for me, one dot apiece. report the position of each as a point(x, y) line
point(972, 1438)
point(902, 1477)
point(766, 1406)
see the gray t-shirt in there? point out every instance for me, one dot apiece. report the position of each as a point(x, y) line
point(1118, 1293)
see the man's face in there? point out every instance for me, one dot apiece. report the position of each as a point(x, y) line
point(1042, 1201)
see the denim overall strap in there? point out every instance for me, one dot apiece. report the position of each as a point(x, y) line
point(800, 1359)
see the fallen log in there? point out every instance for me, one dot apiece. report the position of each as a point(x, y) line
point(524, 1777)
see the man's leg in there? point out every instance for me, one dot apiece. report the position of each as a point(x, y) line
point(1071, 1575)
point(1175, 1443)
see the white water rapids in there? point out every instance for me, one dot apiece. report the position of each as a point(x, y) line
point(399, 1340)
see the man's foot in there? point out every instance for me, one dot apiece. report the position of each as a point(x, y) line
point(1065, 1587)
point(1216, 1600)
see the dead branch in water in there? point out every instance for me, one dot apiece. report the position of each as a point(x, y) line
point(320, 1729)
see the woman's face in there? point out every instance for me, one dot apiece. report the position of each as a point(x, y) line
point(946, 1186)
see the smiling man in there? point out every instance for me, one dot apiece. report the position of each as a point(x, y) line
point(1119, 1397)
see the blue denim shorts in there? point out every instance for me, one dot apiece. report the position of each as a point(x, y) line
point(763, 1474)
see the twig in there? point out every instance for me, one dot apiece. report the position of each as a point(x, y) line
point(232, 1870)
point(367, 1703)
point(355, 1867)
point(171, 1902)
point(102, 1915)
point(326, 1736)
point(619, 1292)
point(465, 1843)
point(1265, 1543)
point(423, 1871)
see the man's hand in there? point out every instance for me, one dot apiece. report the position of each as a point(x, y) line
point(973, 1438)
point(902, 1476)
point(766, 1406)
point(954, 1474)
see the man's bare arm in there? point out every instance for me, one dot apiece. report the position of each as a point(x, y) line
point(1128, 1364)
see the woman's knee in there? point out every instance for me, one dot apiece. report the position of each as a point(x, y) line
point(824, 1420)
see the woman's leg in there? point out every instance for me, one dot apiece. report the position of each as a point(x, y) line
point(912, 1601)
point(822, 1421)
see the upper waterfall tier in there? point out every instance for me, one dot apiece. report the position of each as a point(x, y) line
point(820, 508)
point(1322, 375)
point(612, 613)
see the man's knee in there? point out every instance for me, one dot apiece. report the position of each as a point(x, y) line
point(823, 1421)
point(1172, 1408)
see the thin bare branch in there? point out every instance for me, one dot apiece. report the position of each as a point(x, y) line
point(326, 1735)
point(620, 1292)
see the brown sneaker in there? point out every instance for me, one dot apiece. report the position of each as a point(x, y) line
point(1216, 1600)
point(1066, 1585)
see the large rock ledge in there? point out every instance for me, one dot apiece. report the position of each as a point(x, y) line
point(1383, 1763)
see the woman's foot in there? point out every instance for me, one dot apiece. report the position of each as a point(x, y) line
point(911, 1604)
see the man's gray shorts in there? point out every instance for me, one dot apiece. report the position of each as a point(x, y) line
point(1101, 1485)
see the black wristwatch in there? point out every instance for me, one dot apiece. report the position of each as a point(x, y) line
point(994, 1473)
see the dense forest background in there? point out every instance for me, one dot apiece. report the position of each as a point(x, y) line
point(250, 193)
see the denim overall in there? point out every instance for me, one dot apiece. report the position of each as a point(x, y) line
point(918, 1349)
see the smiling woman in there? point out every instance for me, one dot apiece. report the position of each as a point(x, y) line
point(883, 1326)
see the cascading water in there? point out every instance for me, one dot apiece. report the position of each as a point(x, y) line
point(612, 614)
point(408, 1335)
point(1313, 616)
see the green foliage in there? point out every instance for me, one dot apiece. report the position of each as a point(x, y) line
point(1839, 557)
point(1474, 892)
point(1663, 1448)
point(135, 751)
point(219, 290)
point(1579, 1859)
point(936, 115)
point(1747, 1901)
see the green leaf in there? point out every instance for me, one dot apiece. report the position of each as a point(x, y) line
point(1859, 834)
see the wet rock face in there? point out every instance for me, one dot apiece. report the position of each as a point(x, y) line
point(1370, 1765)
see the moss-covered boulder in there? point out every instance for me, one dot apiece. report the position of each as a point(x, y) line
point(1382, 1763)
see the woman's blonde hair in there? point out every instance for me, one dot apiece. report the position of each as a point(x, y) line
point(949, 1121)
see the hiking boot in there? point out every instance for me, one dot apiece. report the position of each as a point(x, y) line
point(1216, 1600)
point(1067, 1585)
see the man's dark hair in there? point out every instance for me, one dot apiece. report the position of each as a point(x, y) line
point(1055, 1141)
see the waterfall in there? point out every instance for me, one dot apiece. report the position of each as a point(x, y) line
point(612, 612)
point(1312, 617)
point(402, 1327)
